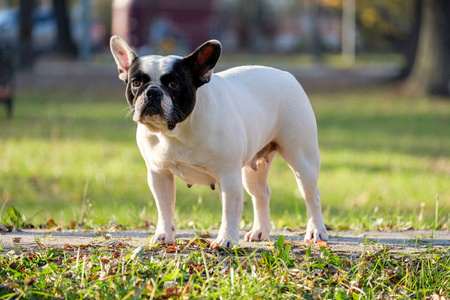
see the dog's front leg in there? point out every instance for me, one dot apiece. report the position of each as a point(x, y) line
point(232, 198)
point(162, 185)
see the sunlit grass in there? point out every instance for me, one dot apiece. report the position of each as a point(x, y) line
point(195, 272)
point(383, 155)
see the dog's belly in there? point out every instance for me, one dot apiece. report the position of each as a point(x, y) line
point(192, 174)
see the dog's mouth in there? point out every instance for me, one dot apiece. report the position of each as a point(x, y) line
point(148, 113)
point(150, 110)
point(155, 114)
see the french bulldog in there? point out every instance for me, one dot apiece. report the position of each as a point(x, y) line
point(220, 129)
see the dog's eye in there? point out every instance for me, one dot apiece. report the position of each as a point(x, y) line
point(136, 83)
point(173, 85)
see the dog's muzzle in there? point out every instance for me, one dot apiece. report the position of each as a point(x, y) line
point(152, 104)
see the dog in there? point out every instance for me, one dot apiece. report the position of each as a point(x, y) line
point(223, 130)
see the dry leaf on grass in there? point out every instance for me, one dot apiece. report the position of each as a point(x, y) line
point(5, 228)
point(322, 244)
point(67, 247)
point(170, 249)
point(171, 292)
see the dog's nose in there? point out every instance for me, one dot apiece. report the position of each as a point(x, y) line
point(154, 94)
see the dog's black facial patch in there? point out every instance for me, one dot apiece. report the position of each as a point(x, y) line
point(175, 76)
point(135, 73)
point(183, 97)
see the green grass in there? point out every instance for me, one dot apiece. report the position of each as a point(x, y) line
point(198, 273)
point(385, 165)
point(385, 162)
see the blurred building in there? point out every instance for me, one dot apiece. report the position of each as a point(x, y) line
point(163, 26)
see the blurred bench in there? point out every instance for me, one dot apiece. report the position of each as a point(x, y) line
point(7, 80)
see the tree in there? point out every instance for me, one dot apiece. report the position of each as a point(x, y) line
point(430, 73)
point(64, 44)
point(412, 41)
point(25, 34)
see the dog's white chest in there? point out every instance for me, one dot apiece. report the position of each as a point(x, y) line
point(161, 154)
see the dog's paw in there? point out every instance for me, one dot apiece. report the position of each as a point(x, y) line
point(163, 238)
point(257, 235)
point(224, 242)
point(316, 232)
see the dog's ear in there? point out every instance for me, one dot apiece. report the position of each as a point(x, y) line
point(123, 55)
point(203, 60)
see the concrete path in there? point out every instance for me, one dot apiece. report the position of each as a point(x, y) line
point(343, 243)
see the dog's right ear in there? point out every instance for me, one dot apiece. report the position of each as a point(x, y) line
point(123, 55)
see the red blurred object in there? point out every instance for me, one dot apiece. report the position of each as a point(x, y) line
point(187, 20)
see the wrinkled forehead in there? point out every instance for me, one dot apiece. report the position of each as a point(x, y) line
point(155, 66)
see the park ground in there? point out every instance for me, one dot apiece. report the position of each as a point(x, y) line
point(70, 164)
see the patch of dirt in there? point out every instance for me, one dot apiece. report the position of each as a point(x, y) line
point(347, 244)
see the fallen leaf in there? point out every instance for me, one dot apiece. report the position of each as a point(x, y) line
point(50, 223)
point(29, 281)
point(14, 265)
point(72, 224)
point(201, 242)
point(322, 244)
point(5, 228)
point(171, 292)
point(67, 247)
point(32, 255)
point(170, 249)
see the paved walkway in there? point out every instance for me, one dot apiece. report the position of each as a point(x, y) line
point(344, 243)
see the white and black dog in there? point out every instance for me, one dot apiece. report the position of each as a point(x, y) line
point(222, 129)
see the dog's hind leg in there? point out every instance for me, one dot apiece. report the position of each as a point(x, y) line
point(255, 183)
point(306, 167)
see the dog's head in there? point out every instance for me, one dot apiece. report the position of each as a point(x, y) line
point(161, 90)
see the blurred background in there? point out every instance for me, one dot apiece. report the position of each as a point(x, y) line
point(397, 39)
point(377, 73)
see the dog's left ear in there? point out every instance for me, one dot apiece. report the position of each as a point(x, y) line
point(123, 55)
point(203, 60)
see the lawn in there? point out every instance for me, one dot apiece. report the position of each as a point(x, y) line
point(73, 157)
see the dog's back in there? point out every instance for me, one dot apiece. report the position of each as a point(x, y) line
point(267, 103)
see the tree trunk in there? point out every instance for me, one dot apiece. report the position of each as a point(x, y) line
point(25, 34)
point(412, 41)
point(64, 45)
point(431, 70)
